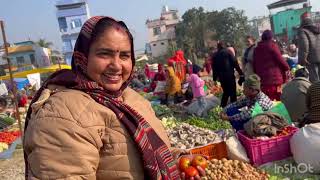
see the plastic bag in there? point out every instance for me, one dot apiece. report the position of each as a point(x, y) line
point(210, 103)
point(305, 146)
point(279, 108)
point(161, 86)
point(257, 109)
point(236, 151)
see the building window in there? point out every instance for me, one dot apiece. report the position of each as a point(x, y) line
point(156, 31)
point(62, 24)
point(32, 59)
point(67, 46)
point(20, 60)
point(76, 23)
point(154, 44)
point(162, 43)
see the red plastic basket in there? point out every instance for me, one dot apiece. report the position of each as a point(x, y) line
point(212, 151)
point(263, 151)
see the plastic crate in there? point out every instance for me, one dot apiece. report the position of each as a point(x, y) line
point(264, 151)
point(7, 154)
point(212, 151)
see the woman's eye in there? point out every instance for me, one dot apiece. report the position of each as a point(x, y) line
point(104, 54)
point(125, 57)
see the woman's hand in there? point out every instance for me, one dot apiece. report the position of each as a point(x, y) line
point(201, 171)
point(176, 152)
point(224, 116)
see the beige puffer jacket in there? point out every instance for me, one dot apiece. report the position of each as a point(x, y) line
point(70, 136)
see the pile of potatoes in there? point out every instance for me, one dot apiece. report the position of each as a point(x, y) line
point(233, 170)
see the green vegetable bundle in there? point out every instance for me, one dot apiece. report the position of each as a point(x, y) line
point(212, 122)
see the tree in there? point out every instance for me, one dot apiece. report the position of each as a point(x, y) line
point(230, 25)
point(190, 32)
point(43, 43)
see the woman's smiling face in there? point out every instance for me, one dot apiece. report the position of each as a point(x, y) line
point(109, 59)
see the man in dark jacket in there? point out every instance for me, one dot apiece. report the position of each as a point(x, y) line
point(309, 46)
point(223, 70)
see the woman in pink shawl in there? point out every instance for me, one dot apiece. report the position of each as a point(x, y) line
point(198, 92)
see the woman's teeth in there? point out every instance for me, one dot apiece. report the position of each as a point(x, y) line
point(113, 76)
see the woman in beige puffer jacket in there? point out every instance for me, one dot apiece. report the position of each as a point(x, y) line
point(85, 123)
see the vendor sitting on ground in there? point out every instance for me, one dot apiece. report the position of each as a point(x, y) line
point(240, 112)
point(294, 94)
point(159, 76)
point(313, 105)
point(173, 86)
point(4, 110)
point(22, 98)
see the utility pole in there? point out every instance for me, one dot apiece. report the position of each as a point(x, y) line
point(11, 76)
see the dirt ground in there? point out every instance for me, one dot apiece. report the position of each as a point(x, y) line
point(13, 168)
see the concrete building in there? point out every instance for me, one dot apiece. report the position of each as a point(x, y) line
point(316, 17)
point(285, 17)
point(27, 53)
point(161, 32)
point(25, 56)
point(71, 15)
point(258, 25)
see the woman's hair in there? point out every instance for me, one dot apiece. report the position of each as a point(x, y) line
point(221, 45)
point(267, 35)
point(105, 24)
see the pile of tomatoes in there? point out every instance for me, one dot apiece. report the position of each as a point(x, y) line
point(9, 137)
point(284, 132)
point(189, 165)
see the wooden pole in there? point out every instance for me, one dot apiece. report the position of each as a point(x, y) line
point(11, 76)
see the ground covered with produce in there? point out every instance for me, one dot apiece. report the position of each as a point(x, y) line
point(188, 132)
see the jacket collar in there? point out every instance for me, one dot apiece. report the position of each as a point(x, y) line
point(301, 79)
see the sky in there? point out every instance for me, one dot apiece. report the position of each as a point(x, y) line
point(34, 19)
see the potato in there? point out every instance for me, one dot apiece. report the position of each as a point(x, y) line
point(225, 164)
point(214, 160)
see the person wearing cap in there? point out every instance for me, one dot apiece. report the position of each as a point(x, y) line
point(253, 95)
point(309, 46)
point(270, 66)
point(294, 94)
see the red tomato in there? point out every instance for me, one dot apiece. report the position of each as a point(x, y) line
point(199, 161)
point(191, 172)
point(184, 163)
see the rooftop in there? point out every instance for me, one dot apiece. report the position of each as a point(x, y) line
point(283, 3)
point(69, 2)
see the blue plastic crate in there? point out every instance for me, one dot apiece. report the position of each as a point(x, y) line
point(7, 154)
